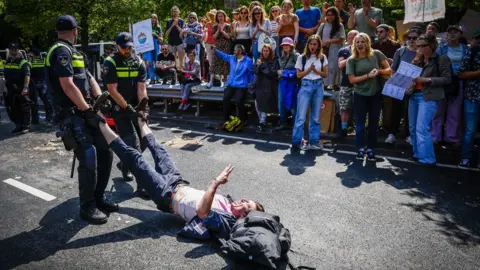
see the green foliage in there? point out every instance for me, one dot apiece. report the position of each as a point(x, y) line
point(103, 19)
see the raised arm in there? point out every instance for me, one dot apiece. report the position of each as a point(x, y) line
point(205, 205)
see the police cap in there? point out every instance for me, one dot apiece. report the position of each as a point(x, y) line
point(66, 23)
point(124, 40)
point(14, 45)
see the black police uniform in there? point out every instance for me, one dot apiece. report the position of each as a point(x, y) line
point(126, 73)
point(91, 149)
point(18, 105)
point(39, 88)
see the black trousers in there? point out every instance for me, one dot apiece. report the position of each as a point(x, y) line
point(129, 131)
point(18, 107)
point(95, 161)
point(39, 89)
point(239, 95)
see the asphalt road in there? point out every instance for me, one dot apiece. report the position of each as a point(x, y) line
point(342, 213)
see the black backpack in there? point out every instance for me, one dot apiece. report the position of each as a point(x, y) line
point(260, 240)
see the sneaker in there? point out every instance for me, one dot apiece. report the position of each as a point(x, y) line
point(262, 127)
point(371, 156)
point(142, 105)
point(127, 176)
point(180, 107)
point(142, 193)
point(106, 205)
point(361, 154)
point(408, 140)
point(93, 215)
point(390, 139)
point(303, 147)
point(17, 130)
point(464, 164)
point(279, 127)
point(317, 146)
point(209, 85)
point(186, 106)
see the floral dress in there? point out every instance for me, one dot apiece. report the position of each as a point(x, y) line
point(220, 67)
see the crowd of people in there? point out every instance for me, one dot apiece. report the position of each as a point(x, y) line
point(287, 58)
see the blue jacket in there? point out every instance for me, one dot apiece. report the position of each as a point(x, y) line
point(289, 87)
point(240, 76)
point(217, 225)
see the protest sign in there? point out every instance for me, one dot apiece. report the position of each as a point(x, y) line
point(142, 36)
point(423, 10)
point(396, 86)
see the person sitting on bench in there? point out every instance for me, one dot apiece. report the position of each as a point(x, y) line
point(171, 193)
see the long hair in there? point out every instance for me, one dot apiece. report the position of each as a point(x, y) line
point(242, 8)
point(391, 33)
point(271, 54)
point(224, 15)
point(286, 2)
point(318, 53)
point(262, 16)
point(211, 15)
point(336, 21)
point(156, 17)
point(368, 46)
point(254, 4)
point(271, 18)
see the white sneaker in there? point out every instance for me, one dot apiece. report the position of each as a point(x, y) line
point(390, 139)
point(408, 140)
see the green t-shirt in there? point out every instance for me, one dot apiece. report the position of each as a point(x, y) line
point(362, 66)
point(361, 23)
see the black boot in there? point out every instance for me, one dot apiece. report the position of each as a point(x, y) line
point(101, 101)
point(142, 193)
point(17, 130)
point(142, 105)
point(91, 214)
point(126, 174)
point(104, 204)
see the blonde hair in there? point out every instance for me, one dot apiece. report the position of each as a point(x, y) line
point(391, 33)
point(271, 18)
point(368, 46)
point(287, 2)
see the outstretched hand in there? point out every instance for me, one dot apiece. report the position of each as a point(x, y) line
point(222, 178)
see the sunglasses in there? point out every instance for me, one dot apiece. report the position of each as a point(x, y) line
point(412, 38)
point(164, 50)
point(422, 45)
point(275, 11)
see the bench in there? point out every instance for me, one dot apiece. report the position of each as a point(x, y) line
point(199, 93)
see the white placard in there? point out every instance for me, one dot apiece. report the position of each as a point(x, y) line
point(424, 10)
point(400, 81)
point(142, 36)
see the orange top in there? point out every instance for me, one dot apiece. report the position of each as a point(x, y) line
point(287, 28)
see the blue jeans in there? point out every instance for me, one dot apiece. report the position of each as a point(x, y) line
point(160, 183)
point(420, 115)
point(310, 95)
point(472, 114)
point(281, 108)
point(255, 54)
point(363, 105)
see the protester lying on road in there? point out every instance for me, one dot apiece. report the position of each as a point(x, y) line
point(207, 213)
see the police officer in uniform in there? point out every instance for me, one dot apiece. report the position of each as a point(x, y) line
point(38, 88)
point(73, 96)
point(125, 75)
point(17, 79)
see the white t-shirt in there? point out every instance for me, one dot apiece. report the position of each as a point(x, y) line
point(312, 61)
point(187, 206)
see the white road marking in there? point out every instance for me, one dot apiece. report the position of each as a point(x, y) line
point(351, 153)
point(47, 197)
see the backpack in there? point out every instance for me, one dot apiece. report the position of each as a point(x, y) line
point(402, 50)
point(451, 89)
point(260, 240)
point(234, 124)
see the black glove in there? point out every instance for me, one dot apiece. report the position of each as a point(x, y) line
point(102, 103)
point(91, 118)
point(132, 113)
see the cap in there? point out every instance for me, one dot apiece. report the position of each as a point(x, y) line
point(66, 23)
point(476, 33)
point(287, 41)
point(124, 40)
point(457, 27)
point(235, 11)
point(13, 45)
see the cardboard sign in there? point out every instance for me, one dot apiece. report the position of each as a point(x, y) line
point(424, 10)
point(142, 36)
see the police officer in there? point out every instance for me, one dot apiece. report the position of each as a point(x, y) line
point(107, 51)
point(38, 87)
point(17, 79)
point(125, 75)
point(70, 83)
